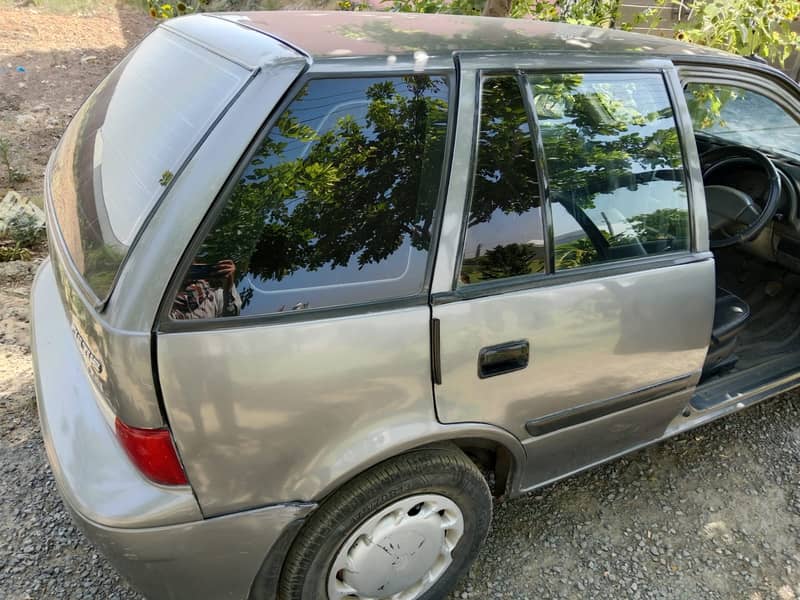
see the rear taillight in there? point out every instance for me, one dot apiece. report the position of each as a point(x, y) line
point(153, 453)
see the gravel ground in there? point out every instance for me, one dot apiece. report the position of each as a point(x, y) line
point(713, 514)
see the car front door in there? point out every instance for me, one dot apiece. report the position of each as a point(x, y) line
point(573, 293)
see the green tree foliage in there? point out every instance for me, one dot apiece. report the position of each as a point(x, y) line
point(599, 13)
point(745, 27)
point(663, 223)
point(455, 7)
point(578, 253)
point(168, 10)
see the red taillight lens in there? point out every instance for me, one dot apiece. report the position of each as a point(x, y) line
point(153, 453)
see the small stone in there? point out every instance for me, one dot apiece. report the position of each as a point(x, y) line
point(25, 119)
point(14, 205)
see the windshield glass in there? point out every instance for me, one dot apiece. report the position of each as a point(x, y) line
point(126, 143)
point(742, 116)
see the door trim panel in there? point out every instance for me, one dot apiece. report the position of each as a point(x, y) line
point(571, 450)
point(601, 408)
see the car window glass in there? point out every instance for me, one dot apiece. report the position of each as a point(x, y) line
point(617, 186)
point(119, 153)
point(334, 208)
point(742, 116)
point(505, 235)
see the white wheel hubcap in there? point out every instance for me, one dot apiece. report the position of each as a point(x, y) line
point(398, 553)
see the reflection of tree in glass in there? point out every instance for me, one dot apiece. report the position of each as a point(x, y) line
point(602, 136)
point(578, 253)
point(669, 226)
point(509, 260)
point(358, 189)
point(505, 175)
point(586, 130)
point(663, 224)
point(505, 180)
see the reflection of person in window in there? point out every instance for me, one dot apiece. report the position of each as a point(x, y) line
point(208, 292)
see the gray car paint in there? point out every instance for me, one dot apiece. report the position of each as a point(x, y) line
point(221, 458)
point(340, 390)
point(324, 34)
point(325, 415)
point(213, 559)
point(93, 473)
point(590, 340)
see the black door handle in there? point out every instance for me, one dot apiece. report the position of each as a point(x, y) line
point(503, 358)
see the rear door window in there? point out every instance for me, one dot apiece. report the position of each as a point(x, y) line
point(613, 157)
point(334, 208)
point(505, 231)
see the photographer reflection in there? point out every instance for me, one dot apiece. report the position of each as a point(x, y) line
point(208, 292)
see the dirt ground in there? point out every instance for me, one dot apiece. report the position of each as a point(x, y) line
point(62, 58)
point(714, 514)
point(48, 64)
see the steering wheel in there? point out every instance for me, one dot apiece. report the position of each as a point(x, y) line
point(729, 207)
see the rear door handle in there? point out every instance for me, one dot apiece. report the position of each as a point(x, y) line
point(503, 358)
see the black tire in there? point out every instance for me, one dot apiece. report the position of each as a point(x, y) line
point(444, 471)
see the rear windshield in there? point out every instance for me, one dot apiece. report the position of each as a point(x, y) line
point(126, 143)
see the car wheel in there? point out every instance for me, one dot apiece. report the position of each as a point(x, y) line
point(406, 530)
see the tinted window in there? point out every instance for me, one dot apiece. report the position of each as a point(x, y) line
point(504, 230)
point(334, 208)
point(126, 142)
point(743, 117)
point(617, 186)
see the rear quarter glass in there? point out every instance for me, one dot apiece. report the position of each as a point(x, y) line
point(335, 207)
point(127, 142)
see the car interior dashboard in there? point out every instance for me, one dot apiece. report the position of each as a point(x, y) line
point(779, 241)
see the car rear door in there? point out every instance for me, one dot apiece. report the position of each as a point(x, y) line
point(573, 293)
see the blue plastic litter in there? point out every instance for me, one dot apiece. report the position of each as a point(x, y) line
point(20, 69)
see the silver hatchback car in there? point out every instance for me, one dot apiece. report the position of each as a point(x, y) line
point(321, 284)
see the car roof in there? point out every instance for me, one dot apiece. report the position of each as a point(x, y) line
point(325, 34)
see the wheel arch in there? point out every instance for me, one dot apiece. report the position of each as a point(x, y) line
point(492, 449)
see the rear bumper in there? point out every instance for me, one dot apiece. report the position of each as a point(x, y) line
point(154, 535)
point(213, 559)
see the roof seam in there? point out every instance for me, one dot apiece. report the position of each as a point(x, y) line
point(205, 46)
point(286, 43)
